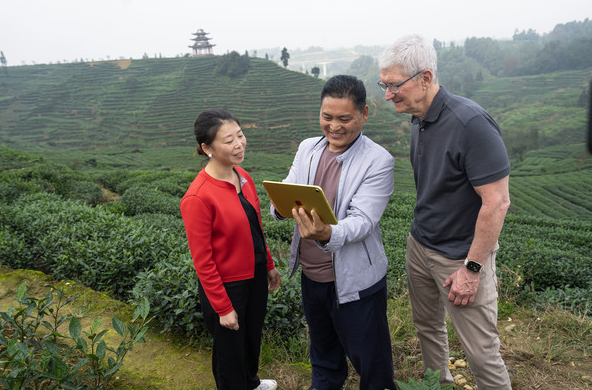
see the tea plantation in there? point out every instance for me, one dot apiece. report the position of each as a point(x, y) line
point(94, 159)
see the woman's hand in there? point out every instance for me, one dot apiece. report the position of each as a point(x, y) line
point(273, 279)
point(230, 320)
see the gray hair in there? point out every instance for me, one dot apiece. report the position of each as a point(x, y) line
point(412, 53)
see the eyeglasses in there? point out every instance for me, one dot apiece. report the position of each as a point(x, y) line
point(395, 88)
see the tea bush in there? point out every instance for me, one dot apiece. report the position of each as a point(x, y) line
point(171, 183)
point(12, 187)
point(35, 354)
point(57, 179)
point(141, 200)
point(171, 287)
point(104, 251)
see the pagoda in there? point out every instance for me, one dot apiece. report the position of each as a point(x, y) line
point(202, 45)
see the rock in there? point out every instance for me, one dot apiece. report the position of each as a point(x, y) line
point(460, 363)
point(460, 381)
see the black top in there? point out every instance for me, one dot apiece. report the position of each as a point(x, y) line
point(256, 232)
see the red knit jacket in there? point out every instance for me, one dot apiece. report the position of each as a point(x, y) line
point(219, 234)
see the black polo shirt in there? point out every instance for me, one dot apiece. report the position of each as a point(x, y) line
point(456, 147)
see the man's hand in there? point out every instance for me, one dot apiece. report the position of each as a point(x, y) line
point(230, 320)
point(312, 229)
point(273, 279)
point(463, 287)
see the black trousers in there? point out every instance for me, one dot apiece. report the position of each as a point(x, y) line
point(358, 330)
point(235, 355)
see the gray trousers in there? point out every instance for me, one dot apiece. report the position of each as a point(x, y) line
point(475, 325)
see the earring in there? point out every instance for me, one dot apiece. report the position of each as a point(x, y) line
point(210, 155)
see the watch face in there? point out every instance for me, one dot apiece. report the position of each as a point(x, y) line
point(473, 266)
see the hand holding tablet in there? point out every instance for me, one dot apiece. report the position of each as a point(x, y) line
point(287, 196)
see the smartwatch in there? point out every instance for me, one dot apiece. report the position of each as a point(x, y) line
point(473, 266)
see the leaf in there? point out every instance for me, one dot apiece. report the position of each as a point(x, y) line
point(112, 370)
point(20, 293)
point(431, 379)
point(61, 368)
point(101, 350)
point(81, 343)
point(51, 347)
point(139, 338)
point(75, 328)
point(119, 326)
point(100, 335)
point(143, 309)
point(96, 324)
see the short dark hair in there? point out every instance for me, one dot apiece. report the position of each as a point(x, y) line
point(207, 124)
point(346, 87)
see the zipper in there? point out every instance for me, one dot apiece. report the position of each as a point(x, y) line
point(333, 254)
point(367, 252)
point(297, 260)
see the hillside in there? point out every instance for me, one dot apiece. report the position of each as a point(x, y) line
point(138, 114)
point(132, 106)
point(138, 108)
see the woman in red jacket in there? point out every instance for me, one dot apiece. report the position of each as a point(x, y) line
point(222, 220)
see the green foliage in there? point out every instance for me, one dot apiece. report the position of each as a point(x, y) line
point(430, 382)
point(233, 64)
point(285, 316)
point(315, 71)
point(285, 57)
point(487, 52)
point(25, 174)
point(171, 287)
point(35, 353)
point(140, 200)
point(366, 69)
point(538, 255)
point(102, 250)
point(541, 259)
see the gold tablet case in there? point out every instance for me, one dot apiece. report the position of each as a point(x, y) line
point(286, 196)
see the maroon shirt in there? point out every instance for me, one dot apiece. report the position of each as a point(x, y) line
point(316, 264)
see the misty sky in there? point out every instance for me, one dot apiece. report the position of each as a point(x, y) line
point(43, 31)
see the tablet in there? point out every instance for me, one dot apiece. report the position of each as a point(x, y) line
point(286, 196)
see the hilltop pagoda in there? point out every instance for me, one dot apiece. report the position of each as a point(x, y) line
point(201, 46)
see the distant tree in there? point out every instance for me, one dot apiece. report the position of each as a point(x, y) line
point(487, 52)
point(233, 64)
point(438, 45)
point(366, 69)
point(315, 71)
point(458, 73)
point(530, 35)
point(570, 31)
point(266, 56)
point(285, 57)
point(584, 98)
point(3, 62)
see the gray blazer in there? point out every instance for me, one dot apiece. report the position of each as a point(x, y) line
point(366, 184)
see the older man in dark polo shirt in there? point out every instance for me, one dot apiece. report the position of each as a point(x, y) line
point(461, 172)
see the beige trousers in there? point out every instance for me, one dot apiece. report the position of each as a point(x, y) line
point(475, 325)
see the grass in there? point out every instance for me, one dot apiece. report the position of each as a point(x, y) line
point(550, 349)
